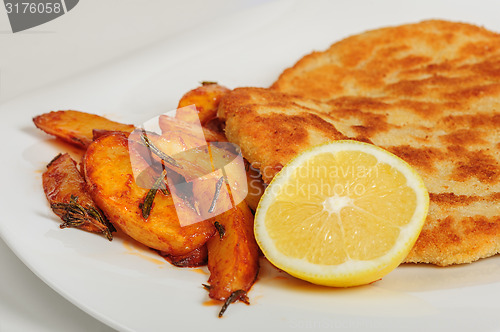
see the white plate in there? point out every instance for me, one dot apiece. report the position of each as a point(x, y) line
point(131, 288)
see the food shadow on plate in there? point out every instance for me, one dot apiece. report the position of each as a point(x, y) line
point(426, 277)
point(370, 300)
point(40, 153)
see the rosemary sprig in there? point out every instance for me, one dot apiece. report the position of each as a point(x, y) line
point(75, 215)
point(240, 295)
point(147, 204)
point(154, 149)
point(218, 186)
point(54, 159)
point(96, 214)
point(188, 199)
point(220, 228)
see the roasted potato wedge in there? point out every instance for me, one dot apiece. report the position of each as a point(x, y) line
point(168, 124)
point(76, 127)
point(201, 165)
point(195, 258)
point(109, 175)
point(233, 254)
point(206, 98)
point(186, 130)
point(67, 194)
point(96, 133)
point(216, 126)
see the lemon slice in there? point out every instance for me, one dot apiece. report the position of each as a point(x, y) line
point(341, 214)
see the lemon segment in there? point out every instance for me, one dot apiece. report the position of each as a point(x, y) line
point(341, 214)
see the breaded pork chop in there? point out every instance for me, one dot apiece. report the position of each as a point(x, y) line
point(428, 92)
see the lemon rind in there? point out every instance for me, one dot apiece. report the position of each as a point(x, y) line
point(355, 269)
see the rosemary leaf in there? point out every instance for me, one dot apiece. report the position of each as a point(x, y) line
point(188, 199)
point(154, 149)
point(218, 186)
point(96, 214)
point(235, 296)
point(74, 215)
point(147, 205)
point(220, 228)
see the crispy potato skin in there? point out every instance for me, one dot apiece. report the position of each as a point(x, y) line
point(206, 98)
point(256, 187)
point(195, 258)
point(108, 172)
point(62, 180)
point(96, 133)
point(233, 261)
point(216, 126)
point(76, 127)
point(168, 123)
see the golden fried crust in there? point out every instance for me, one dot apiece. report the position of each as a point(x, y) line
point(428, 60)
point(271, 129)
point(428, 92)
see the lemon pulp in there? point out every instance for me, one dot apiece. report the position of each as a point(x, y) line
point(341, 214)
